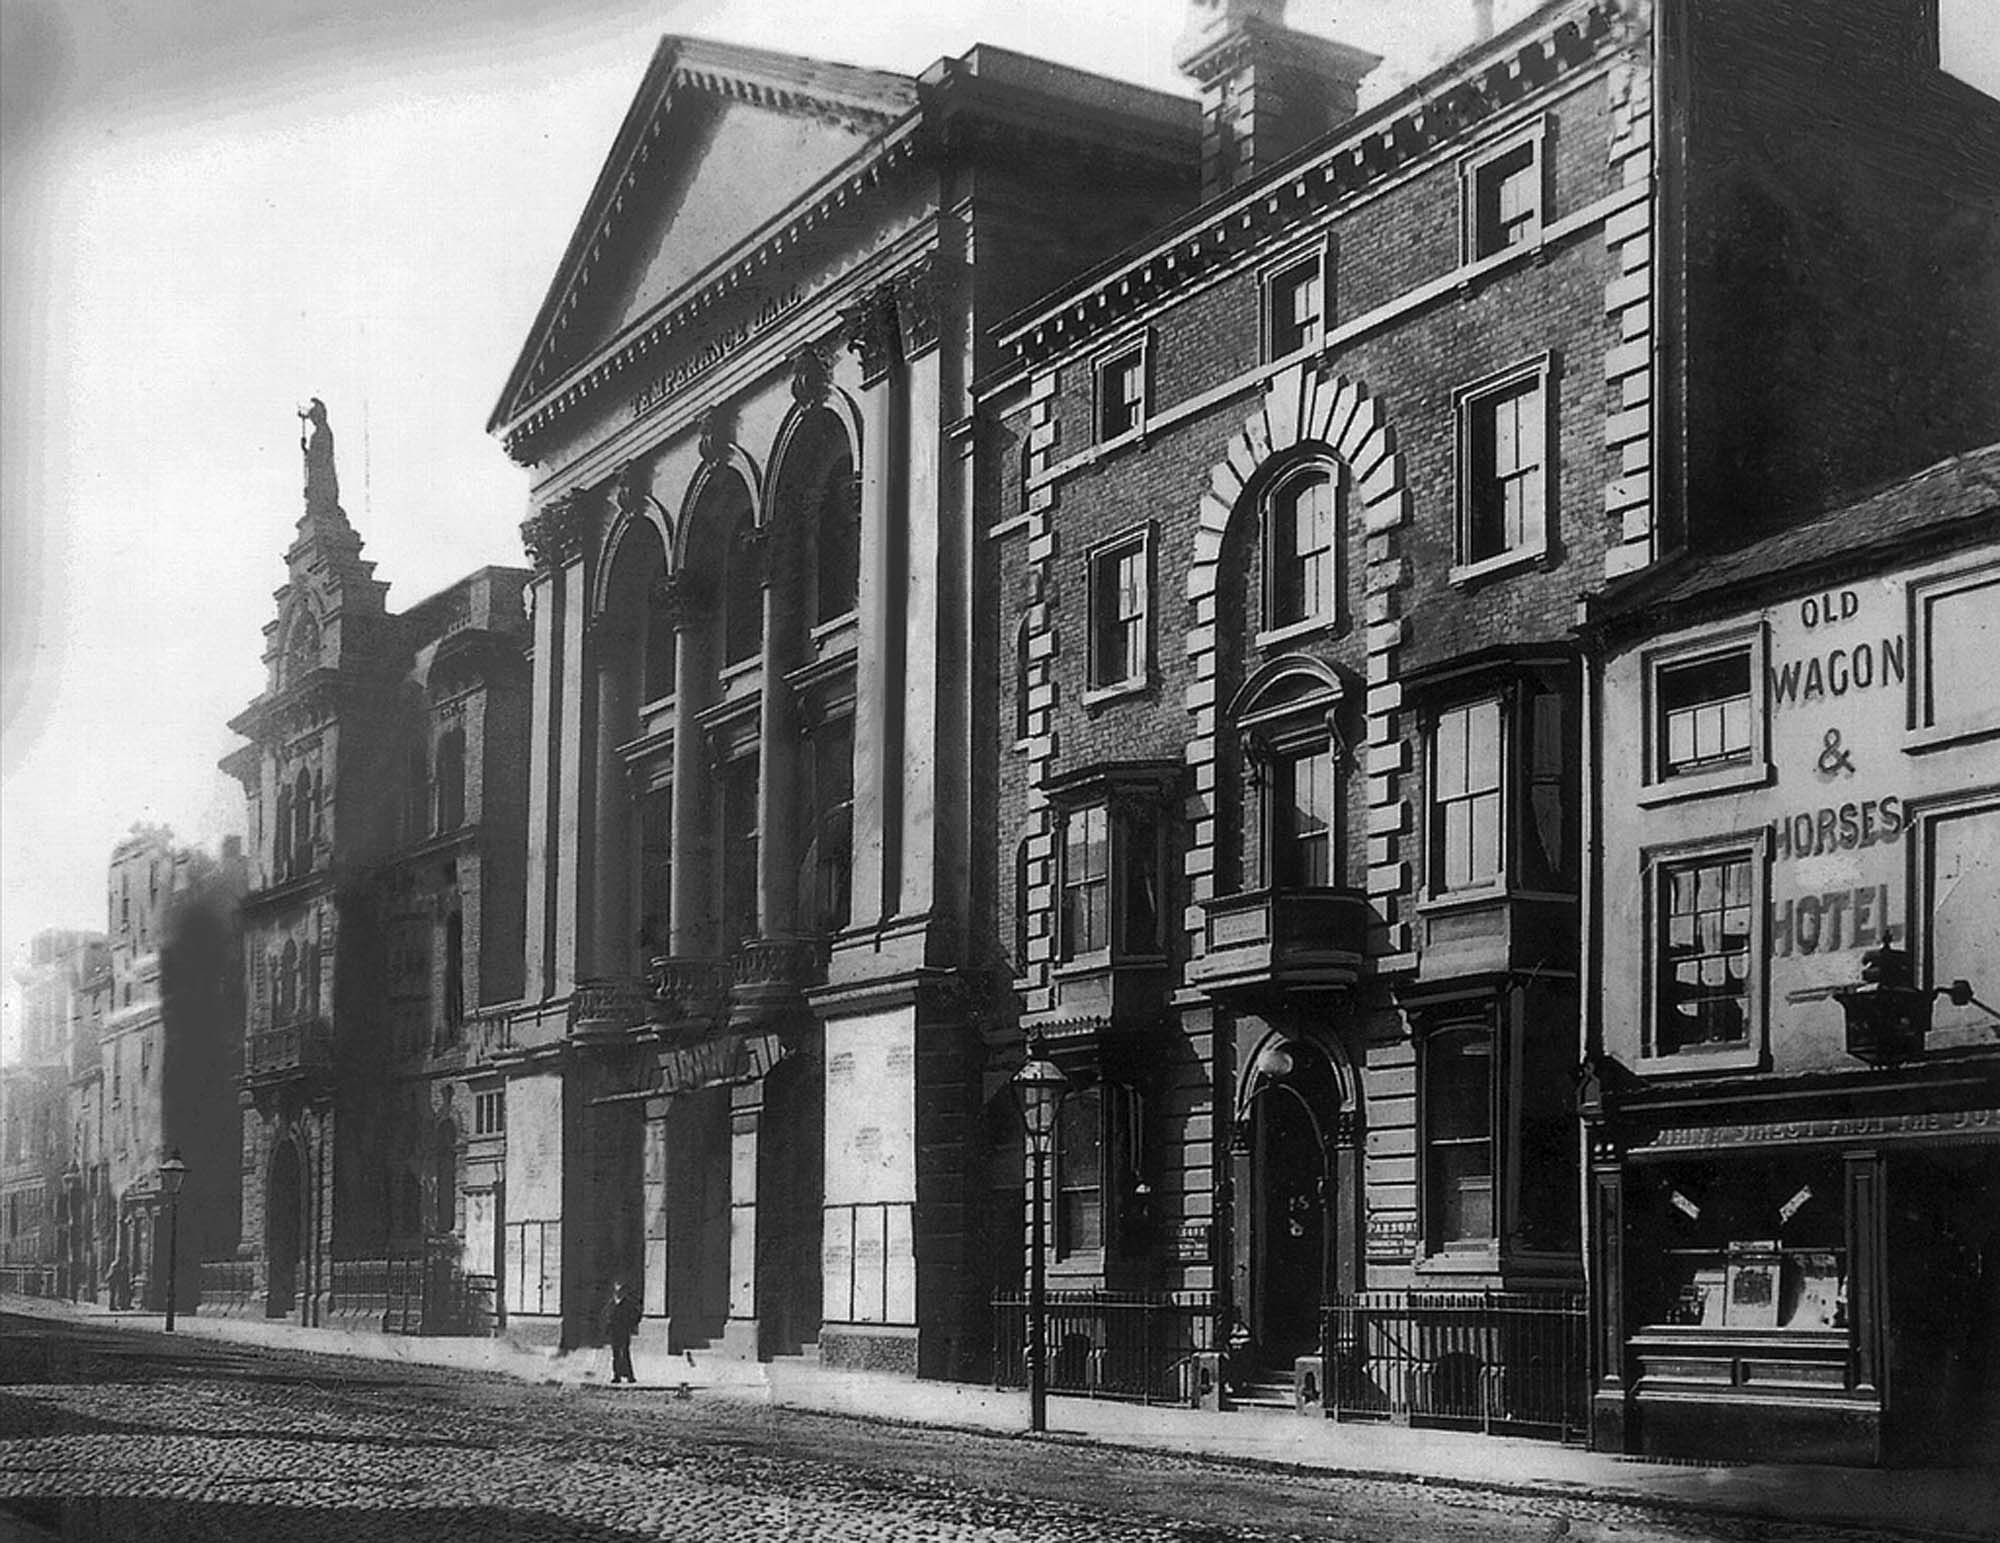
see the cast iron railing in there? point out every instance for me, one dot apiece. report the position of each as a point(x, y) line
point(1514, 1362)
point(1110, 1344)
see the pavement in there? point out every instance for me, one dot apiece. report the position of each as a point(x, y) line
point(1954, 1503)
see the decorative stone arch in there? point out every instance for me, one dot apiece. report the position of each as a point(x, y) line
point(729, 459)
point(1307, 406)
point(840, 404)
point(644, 510)
point(1254, 1077)
point(785, 449)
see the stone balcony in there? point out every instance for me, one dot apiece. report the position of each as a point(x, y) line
point(1283, 941)
point(689, 991)
point(300, 1049)
point(770, 976)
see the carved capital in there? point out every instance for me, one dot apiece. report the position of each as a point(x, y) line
point(871, 330)
point(558, 532)
point(717, 433)
point(917, 307)
point(812, 375)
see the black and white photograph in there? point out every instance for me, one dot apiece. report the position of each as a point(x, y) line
point(1000, 771)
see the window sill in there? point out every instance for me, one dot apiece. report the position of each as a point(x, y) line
point(1466, 574)
point(1467, 1259)
point(741, 669)
point(1291, 632)
point(1098, 696)
point(1701, 1062)
point(1452, 899)
point(1941, 736)
point(1105, 959)
point(1304, 353)
point(1722, 779)
point(1134, 435)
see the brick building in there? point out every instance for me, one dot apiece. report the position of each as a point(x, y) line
point(748, 1058)
point(386, 783)
point(1287, 514)
point(1794, 1173)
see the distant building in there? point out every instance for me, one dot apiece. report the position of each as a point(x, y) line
point(35, 1145)
point(154, 1040)
point(385, 774)
point(1794, 1113)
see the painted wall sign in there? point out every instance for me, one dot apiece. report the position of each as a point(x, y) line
point(1837, 919)
point(1835, 673)
point(1979, 1123)
point(1191, 1243)
point(713, 352)
point(1838, 827)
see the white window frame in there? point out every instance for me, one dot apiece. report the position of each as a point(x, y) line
point(1469, 401)
point(1136, 347)
point(1659, 785)
point(1922, 820)
point(1274, 283)
point(1100, 571)
point(1273, 631)
point(1434, 841)
point(1981, 718)
point(1475, 172)
point(1752, 846)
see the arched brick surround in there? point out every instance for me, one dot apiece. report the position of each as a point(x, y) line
point(1304, 405)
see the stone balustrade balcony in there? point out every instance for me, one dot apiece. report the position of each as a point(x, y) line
point(1283, 940)
point(300, 1048)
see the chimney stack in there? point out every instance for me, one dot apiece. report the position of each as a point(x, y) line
point(1266, 90)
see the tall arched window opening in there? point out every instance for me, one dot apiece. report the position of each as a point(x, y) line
point(743, 589)
point(303, 820)
point(451, 780)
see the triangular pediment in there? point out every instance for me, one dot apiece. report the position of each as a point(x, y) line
point(719, 144)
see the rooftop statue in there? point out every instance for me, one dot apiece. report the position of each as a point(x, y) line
point(316, 444)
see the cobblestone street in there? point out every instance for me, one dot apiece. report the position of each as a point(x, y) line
point(116, 1434)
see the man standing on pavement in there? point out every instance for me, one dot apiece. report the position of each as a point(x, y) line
point(621, 1322)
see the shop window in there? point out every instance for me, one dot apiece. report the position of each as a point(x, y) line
point(1503, 196)
point(1301, 522)
point(1503, 470)
point(1466, 798)
point(1120, 599)
point(1955, 622)
point(1121, 392)
point(1458, 1138)
point(1746, 1244)
point(1079, 1174)
point(1704, 906)
point(1295, 307)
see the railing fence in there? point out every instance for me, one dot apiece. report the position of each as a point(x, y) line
point(1106, 1344)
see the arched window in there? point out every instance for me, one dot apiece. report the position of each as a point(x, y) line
point(454, 968)
point(281, 838)
point(838, 537)
point(451, 780)
point(302, 823)
point(288, 982)
point(1301, 528)
point(310, 1005)
point(1286, 719)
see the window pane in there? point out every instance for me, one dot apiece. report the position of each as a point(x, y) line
point(1704, 712)
point(1705, 953)
point(1961, 637)
point(1451, 735)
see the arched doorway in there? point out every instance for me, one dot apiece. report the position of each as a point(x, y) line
point(1292, 1099)
point(282, 1196)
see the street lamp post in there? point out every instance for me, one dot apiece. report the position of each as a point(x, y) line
point(1038, 1087)
point(173, 1174)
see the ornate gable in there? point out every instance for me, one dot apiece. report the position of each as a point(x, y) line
point(719, 144)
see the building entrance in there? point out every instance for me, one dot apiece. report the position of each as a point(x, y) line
point(1291, 1183)
point(281, 1231)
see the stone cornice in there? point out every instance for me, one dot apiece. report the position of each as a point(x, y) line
point(1364, 152)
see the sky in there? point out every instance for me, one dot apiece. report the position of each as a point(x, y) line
point(213, 210)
